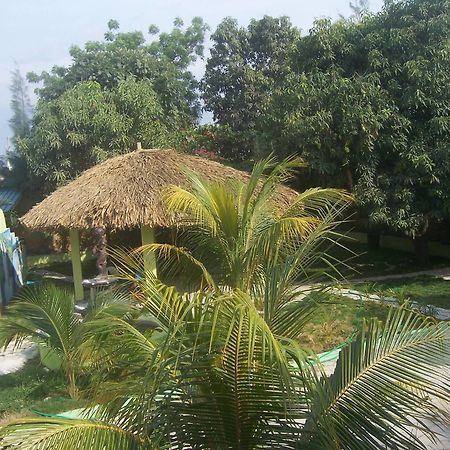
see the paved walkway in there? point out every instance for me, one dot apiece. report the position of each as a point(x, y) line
point(13, 358)
point(439, 273)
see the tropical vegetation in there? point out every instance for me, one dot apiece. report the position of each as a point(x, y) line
point(47, 316)
point(115, 93)
point(363, 100)
point(219, 365)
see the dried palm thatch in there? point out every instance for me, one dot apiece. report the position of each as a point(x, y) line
point(127, 191)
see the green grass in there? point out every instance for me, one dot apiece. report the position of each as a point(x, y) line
point(333, 322)
point(34, 388)
point(426, 290)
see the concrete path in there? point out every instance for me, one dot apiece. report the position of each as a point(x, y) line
point(13, 358)
point(438, 273)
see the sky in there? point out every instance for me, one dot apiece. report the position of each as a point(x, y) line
point(37, 34)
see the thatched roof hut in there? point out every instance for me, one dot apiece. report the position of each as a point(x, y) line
point(127, 191)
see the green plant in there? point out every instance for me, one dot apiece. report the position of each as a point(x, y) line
point(220, 367)
point(46, 315)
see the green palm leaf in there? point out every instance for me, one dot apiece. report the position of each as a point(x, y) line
point(384, 385)
point(61, 434)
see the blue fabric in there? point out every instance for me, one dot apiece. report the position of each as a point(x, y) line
point(11, 266)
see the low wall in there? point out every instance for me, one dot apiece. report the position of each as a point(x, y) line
point(404, 244)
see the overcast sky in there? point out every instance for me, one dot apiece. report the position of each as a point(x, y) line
point(38, 33)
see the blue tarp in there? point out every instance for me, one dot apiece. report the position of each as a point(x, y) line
point(11, 266)
point(8, 198)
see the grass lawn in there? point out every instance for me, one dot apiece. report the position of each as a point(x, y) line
point(425, 290)
point(34, 388)
point(334, 322)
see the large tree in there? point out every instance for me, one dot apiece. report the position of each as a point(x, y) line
point(245, 65)
point(371, 99)
point(87, 124)
point(114, 93)
point(164, 61)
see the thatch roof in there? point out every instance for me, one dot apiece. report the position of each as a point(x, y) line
point(127, 191)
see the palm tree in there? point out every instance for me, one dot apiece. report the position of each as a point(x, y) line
point(223, 369)
point(46, 314)
point(243, 237)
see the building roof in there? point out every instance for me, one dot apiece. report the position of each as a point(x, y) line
point(127, 191)
point(8, 198)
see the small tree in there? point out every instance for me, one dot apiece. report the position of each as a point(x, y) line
point(16, 175)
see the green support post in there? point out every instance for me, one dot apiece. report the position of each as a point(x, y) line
point(148, 237)
point(76, 264)
point(2, 222)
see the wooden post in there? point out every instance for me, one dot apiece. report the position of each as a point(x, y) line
point(76, 264)
point(148, 237)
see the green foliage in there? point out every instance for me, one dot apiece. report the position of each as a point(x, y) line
point(114, 94)
point(383, 378)
point(217, 371)
point(368, 103)
point(244, 67)
point(87, 124)
point(244, 241)
point(34, 388)
point(46, 434)
point(163, 62)
point(336, 320)
point(225, 142)
point(47, 316)
point(335, 122)
point(425, 290)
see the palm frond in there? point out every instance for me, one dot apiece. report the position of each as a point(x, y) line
point(62, 434)
point(383, 387)
point(237, 392)
point(45, 313)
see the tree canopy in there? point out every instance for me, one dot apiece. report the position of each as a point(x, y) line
point(114, 93)
point(87, 124)
point(245, 65)
point(367, 103)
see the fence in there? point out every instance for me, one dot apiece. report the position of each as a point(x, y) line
point(11, 263)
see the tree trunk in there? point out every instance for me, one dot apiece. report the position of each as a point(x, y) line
point(421, 249)
point(349, 176)
point(100, 251)
point(71, 379)
point(373, 240)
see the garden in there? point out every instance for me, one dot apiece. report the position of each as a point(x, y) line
point(276, 279)
point(231, 352)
